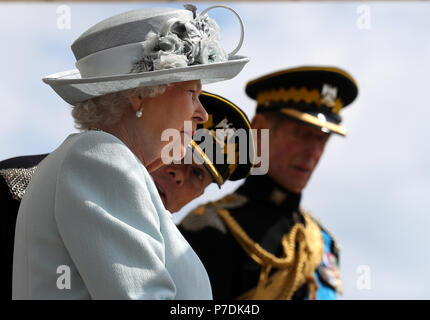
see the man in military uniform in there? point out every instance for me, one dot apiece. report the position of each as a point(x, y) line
point(15, 174)
point(258, 243)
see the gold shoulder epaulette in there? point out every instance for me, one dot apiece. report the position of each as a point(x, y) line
point(206, 215)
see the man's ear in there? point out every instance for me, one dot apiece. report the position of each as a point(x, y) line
point(262, 125)
point(259, 122)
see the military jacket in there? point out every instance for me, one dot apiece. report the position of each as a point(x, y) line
point(15, 174)
point(258, 244)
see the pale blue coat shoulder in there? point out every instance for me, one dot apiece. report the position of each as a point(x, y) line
point(92, 207)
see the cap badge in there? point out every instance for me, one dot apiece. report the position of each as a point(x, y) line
point(328, 95)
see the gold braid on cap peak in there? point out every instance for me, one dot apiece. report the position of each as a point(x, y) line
point(218, 177)
point(292, 94)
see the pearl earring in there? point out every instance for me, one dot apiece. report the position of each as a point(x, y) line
point(139, 113)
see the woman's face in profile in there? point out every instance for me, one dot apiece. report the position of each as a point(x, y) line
point(178, 105)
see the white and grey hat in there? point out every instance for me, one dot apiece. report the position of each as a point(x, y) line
point(147, 47)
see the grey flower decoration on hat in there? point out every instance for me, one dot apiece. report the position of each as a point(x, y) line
point(180, 44)
point(147, 47)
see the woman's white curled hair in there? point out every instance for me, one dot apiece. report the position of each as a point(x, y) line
point(181, 43)
point(107, 110)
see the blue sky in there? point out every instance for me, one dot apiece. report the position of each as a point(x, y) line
point(370, 189)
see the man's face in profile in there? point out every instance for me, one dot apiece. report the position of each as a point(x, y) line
point(295, 150)
point(178, 184)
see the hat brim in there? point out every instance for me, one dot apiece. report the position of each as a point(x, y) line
point(73, 89)
point(313, 120)
point(208, 164)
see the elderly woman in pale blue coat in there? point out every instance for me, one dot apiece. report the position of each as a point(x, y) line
point(91, 224)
